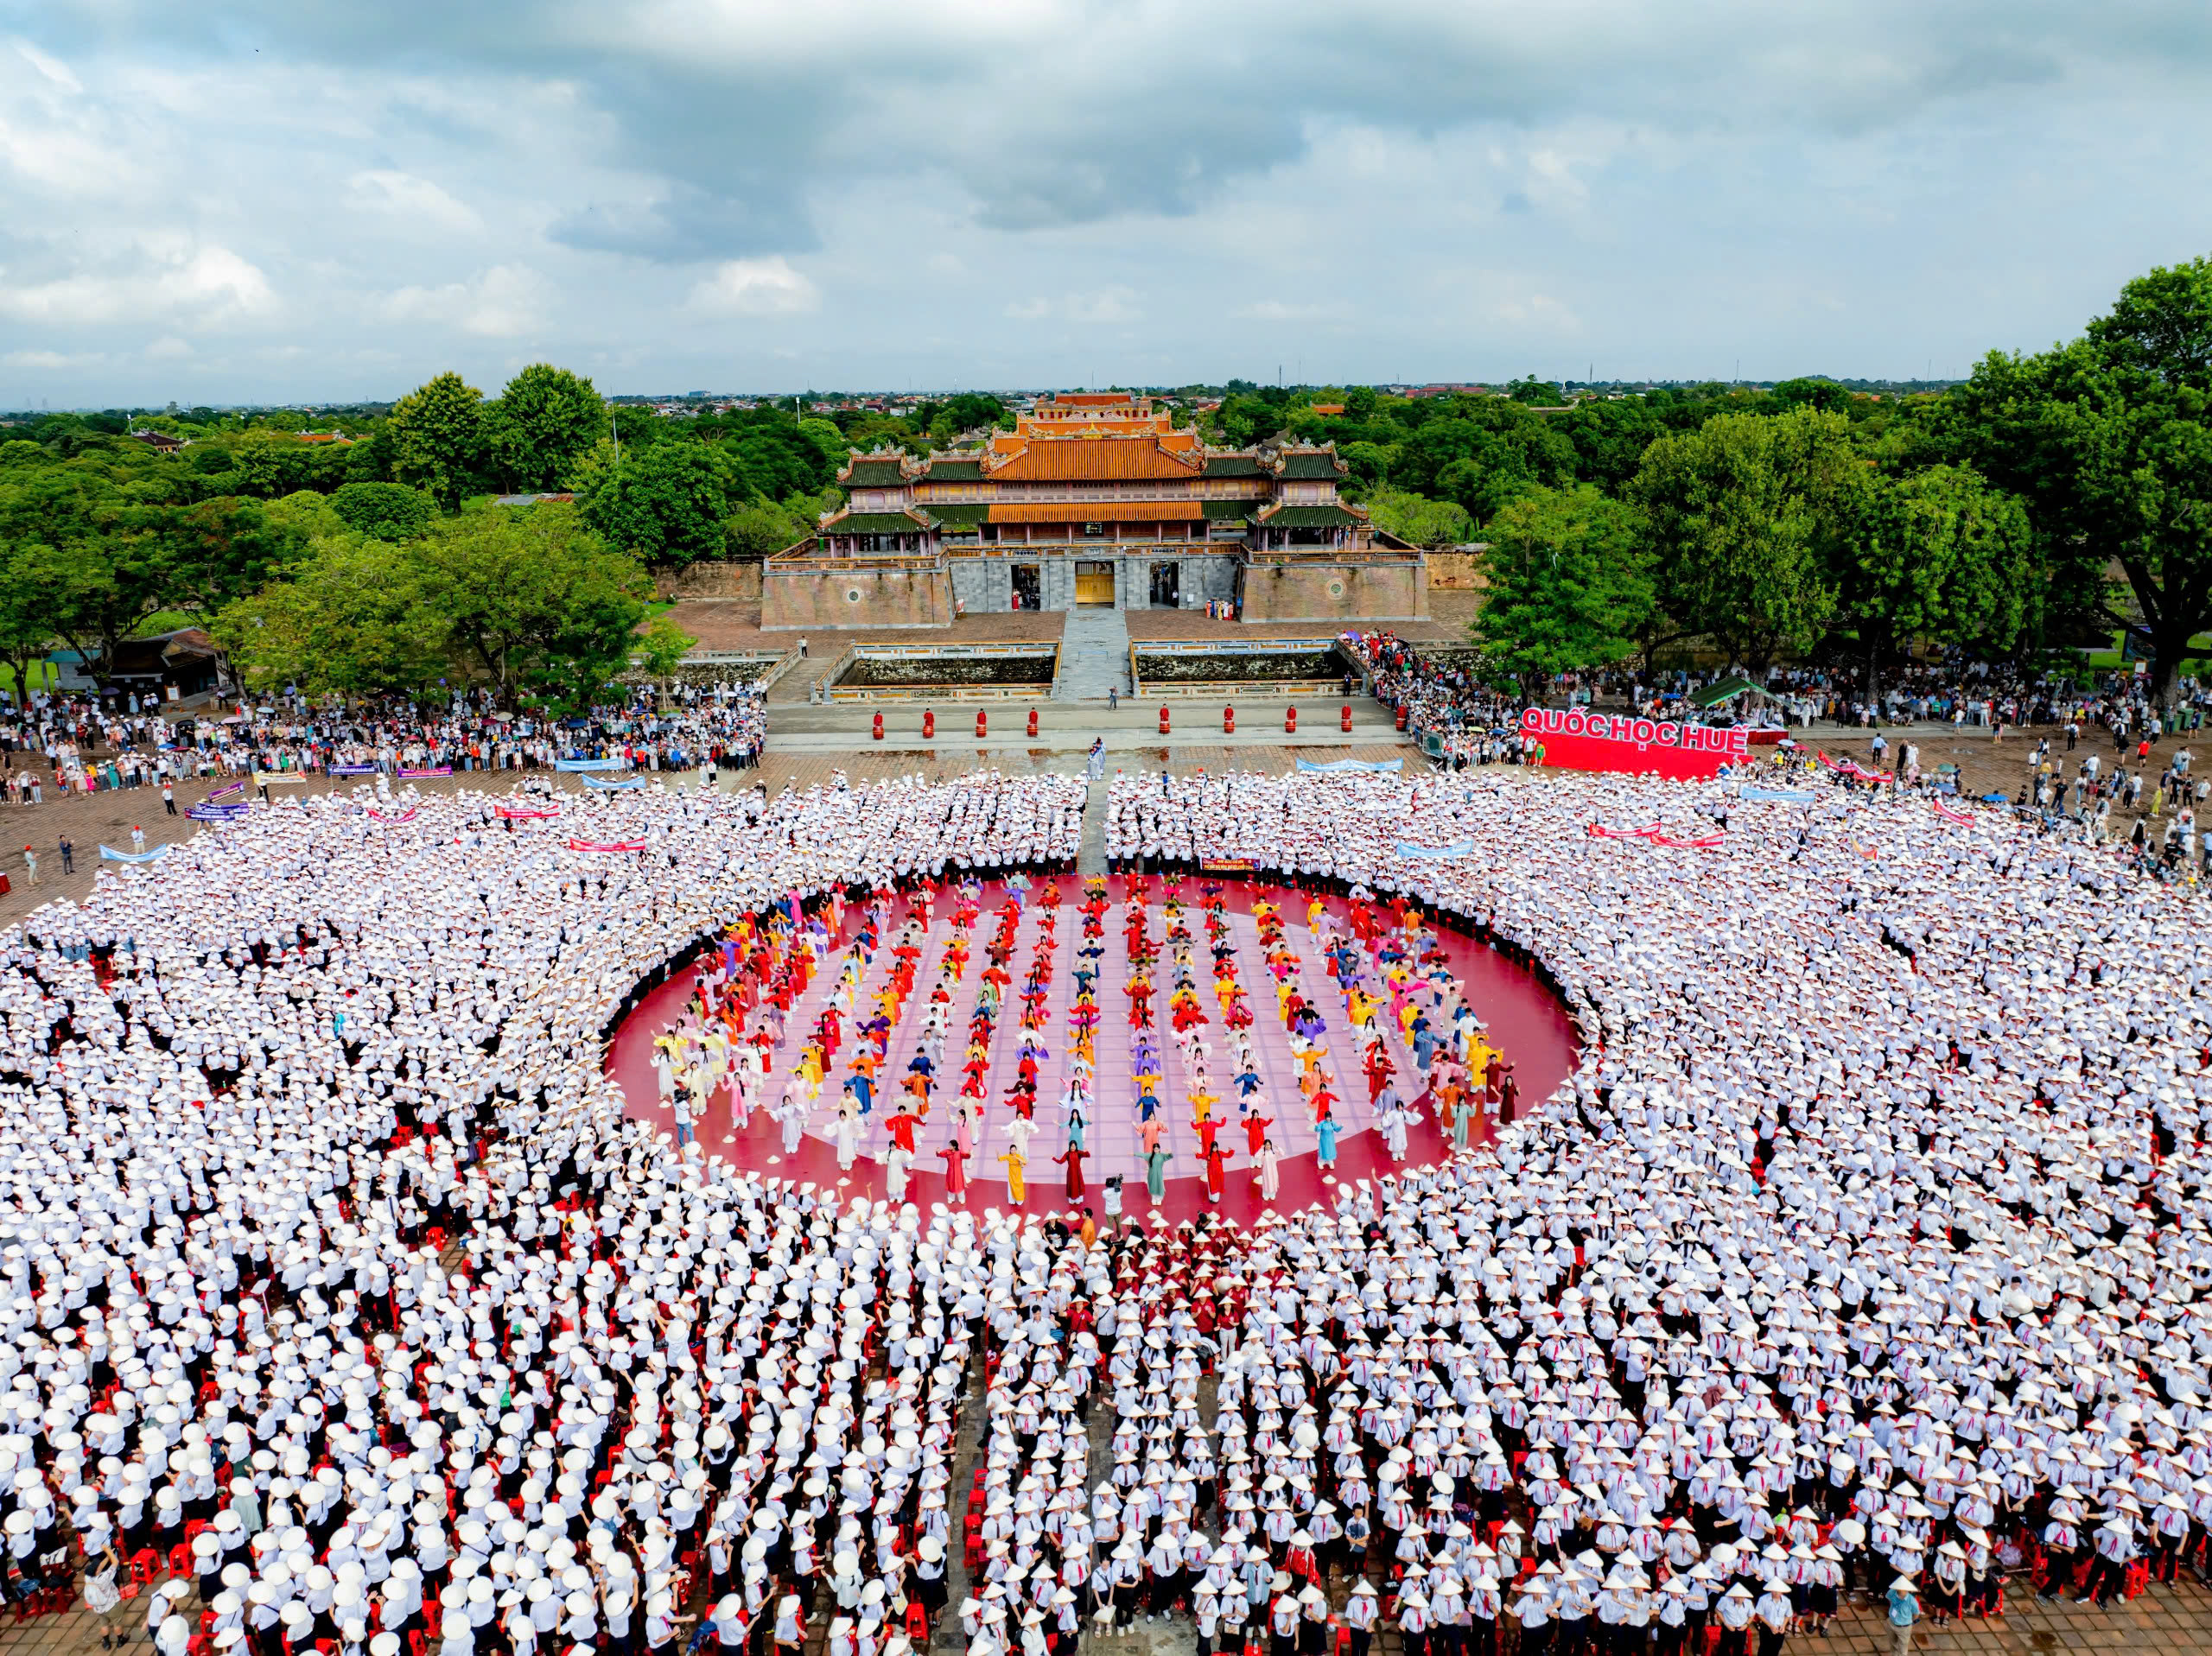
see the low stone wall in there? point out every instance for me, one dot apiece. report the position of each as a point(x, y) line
point(800, 597)
point(1328, 590)
point(738, 582)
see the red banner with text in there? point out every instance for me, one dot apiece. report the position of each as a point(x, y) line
point(1579, 739)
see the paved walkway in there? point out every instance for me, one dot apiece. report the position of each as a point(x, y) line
point(1090, 860)
point(1093, 654)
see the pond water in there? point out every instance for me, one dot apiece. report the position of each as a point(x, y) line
point(1240, 669)
point(903, 671)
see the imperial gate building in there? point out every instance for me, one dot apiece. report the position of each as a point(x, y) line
point(1093, 499)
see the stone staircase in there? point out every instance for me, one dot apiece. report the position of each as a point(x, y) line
point(1093, 654)
point(795, 687)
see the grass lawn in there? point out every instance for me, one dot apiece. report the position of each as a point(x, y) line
point(43, 675)
point(2108, 661)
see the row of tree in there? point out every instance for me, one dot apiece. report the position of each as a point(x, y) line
point(2053, 497)
point(530, 602)
point(2049, 497)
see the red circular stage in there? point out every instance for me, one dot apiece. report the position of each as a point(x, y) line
point(982, 988)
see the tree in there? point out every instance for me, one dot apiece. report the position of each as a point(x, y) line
point(1419, 520)
point(970, 412)
point(388, 512)
point(104, 588)
point(1823, 394)
point(534, 599)
point(1936, 554)
point(307, 513)
point(662, 647)
point(760, 528)
point(1368, 464)
point(32, 589)
point(774, 458)
point(665, 506)
point(219, 550)
point(2107, 441)
point(354, 618)
point(437, 438)
point(827, 441)
point(545, 420)
point(1569, 585)
point(1481, 453)
point(107, 563)
point(1540, 393)
point(1609, 438)
point(1746, 514)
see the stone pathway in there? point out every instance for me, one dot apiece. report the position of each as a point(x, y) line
point(1090, 860)
point(1093, 654)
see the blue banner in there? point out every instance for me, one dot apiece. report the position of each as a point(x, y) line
point(1440, 852)
point(216, 813)
point(612, 787)
point(587, 764)
point(1779, 796)
point(109, 853)
point(352, 770)
point(1352, 767)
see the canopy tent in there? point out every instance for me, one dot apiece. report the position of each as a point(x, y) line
point(1727, 690)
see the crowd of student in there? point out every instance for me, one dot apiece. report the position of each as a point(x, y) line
point(56, 744)
point(1868, 1247)
point(1445, 693)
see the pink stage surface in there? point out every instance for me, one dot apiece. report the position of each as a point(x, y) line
point(1522, 1018)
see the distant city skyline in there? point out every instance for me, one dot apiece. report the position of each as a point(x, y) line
point(847, 396)
point(256, 203)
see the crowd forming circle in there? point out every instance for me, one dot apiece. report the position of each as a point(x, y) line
point(1866, 1244)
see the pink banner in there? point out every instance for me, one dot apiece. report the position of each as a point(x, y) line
point(619, 845)
point(402, 816)
point(1704, 842)
point(1578, 740)
point(1852, 768)
point(524, 816)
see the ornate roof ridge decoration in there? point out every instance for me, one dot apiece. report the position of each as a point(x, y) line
point(1280, 461)
point(915, 516)
point(1021, 446)
point(908, 467)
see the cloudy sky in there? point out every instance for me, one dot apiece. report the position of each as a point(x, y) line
point(293, 200)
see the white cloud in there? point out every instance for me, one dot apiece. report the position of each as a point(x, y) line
point(767, 286)
point(1537, 311)
point(503, 301)
point(169, 349)
point(47, 359)
point(413, 200)
point(1115, 304)
point(1279, 310)
point(161, 277)
point(1423, 188)
point(53, 70)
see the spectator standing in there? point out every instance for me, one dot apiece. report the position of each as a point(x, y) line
point(1904, 1610)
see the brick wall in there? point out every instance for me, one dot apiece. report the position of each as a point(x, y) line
point(1348, 591)
point(729, 582)
point(856, 598)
